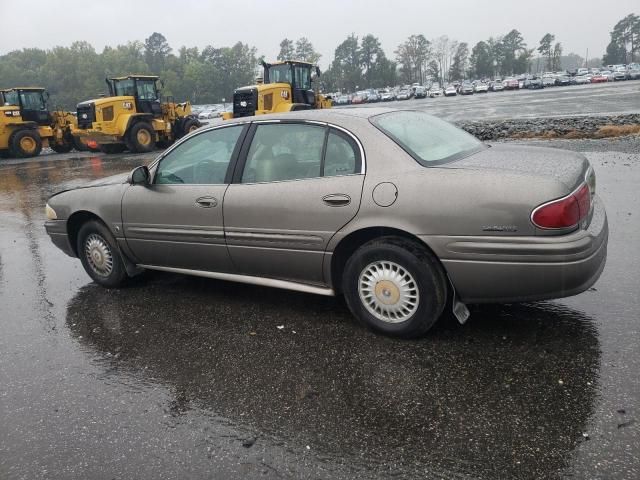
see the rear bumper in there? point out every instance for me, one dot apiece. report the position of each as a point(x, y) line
point(518, 269)
point(57, 230)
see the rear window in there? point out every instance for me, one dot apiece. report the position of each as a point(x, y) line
point(429, 140)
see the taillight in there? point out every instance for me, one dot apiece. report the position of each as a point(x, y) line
point(565, 212)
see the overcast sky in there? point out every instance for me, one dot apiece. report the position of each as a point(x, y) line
point(578, 24)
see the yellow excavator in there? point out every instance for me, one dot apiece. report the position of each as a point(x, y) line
point(27, 125)
point(133, 117)
point(285, 87)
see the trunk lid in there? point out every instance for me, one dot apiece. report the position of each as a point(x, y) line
point(565, 166)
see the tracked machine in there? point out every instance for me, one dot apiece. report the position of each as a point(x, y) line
point(133, 117)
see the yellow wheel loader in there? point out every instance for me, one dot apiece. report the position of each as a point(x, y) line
point(26, 125)
point(286, 86)
point(133, 117)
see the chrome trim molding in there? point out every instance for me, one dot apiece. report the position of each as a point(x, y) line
point(261, 281)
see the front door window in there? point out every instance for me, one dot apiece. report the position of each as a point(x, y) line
point(201, 160)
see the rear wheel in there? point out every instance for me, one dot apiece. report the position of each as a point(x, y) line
point(395, 287)
point(79, 145)
point(111, 148)
point(100, 256)
point(61, 147)
point(164, 143)
point(141, 138)
point(189, 125)
point(25, 144)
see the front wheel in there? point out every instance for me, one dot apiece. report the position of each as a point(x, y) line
point(100, 256)
point(395, 286)
point(26, 144)
point(141, 138)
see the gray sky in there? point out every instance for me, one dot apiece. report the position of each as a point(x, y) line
point(578, 24)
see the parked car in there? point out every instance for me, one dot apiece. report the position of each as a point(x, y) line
point(403, 95)
point(209, 114)
point(481, 87)
point(450, 91)
point(599, 78)
point(311, 205)
point(533, 83)
point(608, 74)
point(341, 100)
point(359, 97)
point(619, 74)
point(633, 72)
point(466, 88)
point(548, 81)
point(373, 96)
point(563, 80)
point(435, 90)
point(511, 84)
point(581, 79)
point(388, 96)
point(496, 86)
point(419, 92)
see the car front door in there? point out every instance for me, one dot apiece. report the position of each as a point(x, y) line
point(296, 185)
point(176, 220)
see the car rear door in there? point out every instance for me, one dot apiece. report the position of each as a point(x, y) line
point(177, 221)
point(297, 183)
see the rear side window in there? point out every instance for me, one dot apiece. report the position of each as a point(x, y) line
point(290, 151)
point(284, 152)
point(341, 156)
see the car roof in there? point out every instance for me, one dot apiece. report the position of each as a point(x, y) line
point(324, 115)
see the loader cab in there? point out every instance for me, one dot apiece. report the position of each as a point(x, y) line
point(297, 74)
point(144, 88)
point(31, 101)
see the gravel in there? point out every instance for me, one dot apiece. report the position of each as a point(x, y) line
point(545, 127)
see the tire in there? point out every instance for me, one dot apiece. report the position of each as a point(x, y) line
point(25, 144)
point(5, 154)
point(164, 143)
point(61, 148)
point(100, 255)
point(386, 260)
point(141, 138)
point(188, 126)
point(79, 145)
point(112, 148)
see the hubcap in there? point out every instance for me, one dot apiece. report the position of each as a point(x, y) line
point(98, 255)
point(144, 137)
point(388, 291)
point(27, 144)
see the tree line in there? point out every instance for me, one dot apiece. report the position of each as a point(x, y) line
point(209, 75)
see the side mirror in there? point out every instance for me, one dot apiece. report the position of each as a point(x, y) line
point(139, 176)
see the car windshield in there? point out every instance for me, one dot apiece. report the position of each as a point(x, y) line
point(427, 139)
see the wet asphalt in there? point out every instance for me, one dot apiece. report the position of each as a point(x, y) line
point(177, 377)
point(575, 100)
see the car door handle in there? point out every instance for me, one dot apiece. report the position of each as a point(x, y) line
point(337, 200)
point(206, 202)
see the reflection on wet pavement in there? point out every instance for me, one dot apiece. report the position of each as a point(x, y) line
point(488, 399)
